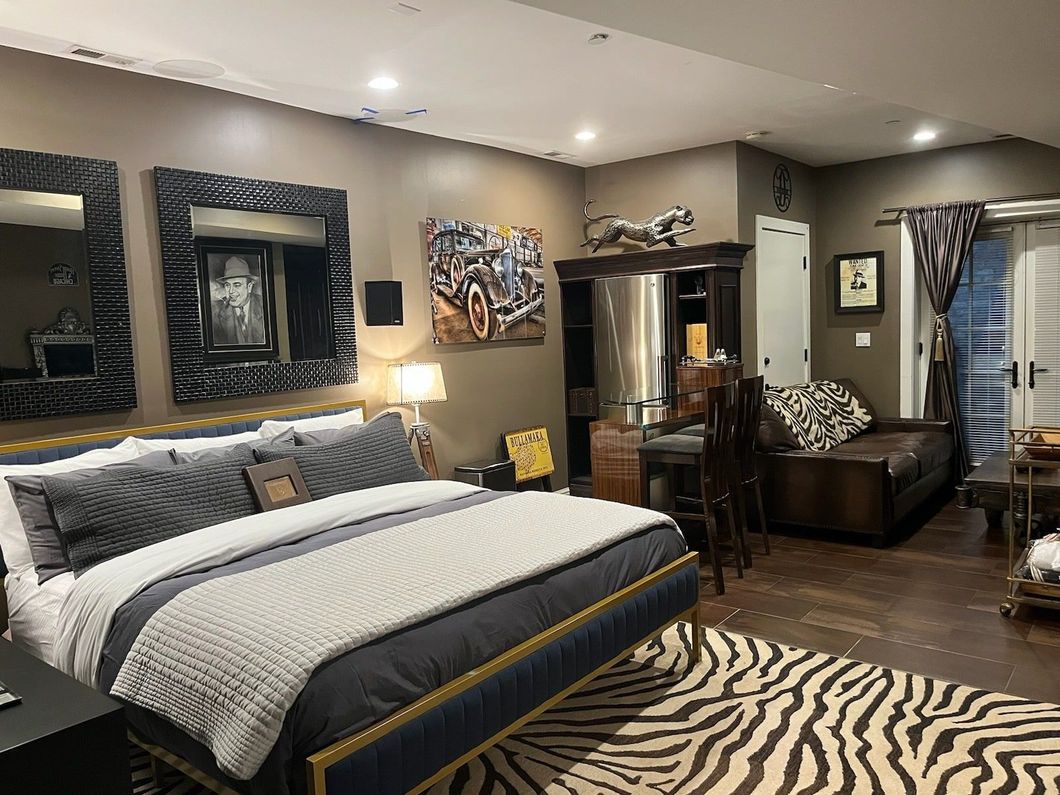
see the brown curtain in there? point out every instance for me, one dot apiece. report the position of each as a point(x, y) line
point(942, 237)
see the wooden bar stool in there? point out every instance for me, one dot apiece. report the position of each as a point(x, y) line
point(749, 394)
point(714, 457)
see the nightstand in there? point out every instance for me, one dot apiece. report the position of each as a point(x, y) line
point(488, 473)
point(64, 737)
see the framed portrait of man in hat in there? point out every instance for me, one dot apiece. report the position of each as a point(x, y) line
point(236, 296)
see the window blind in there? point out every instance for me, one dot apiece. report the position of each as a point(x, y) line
point(982, 320)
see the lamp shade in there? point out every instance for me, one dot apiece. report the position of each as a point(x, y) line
point(412, 383)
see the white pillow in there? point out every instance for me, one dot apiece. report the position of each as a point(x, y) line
point(272, 428)
point(12, 536)
point(198, 443)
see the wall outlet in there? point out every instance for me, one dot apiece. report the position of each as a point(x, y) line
point(862, 339)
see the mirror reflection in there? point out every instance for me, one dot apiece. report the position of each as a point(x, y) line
point(46, 322)
point(263, 286)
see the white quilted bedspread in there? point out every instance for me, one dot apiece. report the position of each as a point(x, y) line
point(226, 659)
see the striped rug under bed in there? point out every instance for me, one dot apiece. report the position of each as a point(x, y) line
point(759, 718)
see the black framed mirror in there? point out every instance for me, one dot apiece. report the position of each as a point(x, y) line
point(65, 338)
point(258, 283)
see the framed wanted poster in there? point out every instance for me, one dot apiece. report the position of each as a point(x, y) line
point(858, 282)
point(530, 450)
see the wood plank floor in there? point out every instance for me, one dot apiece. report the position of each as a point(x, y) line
point(928, 605)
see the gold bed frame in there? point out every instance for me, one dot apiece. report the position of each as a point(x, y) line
point(317, 764)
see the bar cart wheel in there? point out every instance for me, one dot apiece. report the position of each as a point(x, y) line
point(1007, 609)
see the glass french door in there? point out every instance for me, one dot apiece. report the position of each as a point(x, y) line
point(1041, 405)
point(1006, 327)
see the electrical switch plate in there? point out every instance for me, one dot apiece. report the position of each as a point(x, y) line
point(862, 339)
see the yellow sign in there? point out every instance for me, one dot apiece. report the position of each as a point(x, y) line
point(504, 230)
point(529, 449)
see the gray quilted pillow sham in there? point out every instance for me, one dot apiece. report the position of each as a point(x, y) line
point(49, 559)
point(120, 511)
point(360, 457)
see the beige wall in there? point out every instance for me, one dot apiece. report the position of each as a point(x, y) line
point(394, 179)
point(850, 198)
point(754, 178)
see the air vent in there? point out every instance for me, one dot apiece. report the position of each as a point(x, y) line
point(557, 154)
point(101, 56)
point(84, 52)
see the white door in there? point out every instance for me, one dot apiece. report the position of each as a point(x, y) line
point(1042, 352)
point(782, 251)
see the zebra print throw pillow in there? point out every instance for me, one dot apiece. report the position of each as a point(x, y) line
point(820, 414)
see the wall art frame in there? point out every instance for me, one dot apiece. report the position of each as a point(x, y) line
point(857, 282)
point(194, 377)
point(113, 387)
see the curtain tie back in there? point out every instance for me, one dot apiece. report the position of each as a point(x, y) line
point(940, 330)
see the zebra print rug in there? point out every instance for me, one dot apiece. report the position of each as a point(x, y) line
point(755, 717)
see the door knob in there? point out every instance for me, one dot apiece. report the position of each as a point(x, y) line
point(767, 361)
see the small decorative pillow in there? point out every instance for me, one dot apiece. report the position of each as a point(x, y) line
point(119, 511)
point(271, 428)
point(821, 414)
point(374, 454)
point(45, 543)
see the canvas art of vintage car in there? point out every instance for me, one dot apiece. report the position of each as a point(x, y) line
point(486, 281)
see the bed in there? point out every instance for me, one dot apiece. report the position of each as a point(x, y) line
point(397, 709)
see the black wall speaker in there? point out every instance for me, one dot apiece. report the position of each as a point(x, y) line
point(382, 304)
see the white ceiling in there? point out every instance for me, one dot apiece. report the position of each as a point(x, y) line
point(518, 77)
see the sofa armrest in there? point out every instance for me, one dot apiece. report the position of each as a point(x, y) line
point(909, 425)
point(845, 491)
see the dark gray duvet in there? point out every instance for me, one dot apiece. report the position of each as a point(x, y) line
point(366, 684)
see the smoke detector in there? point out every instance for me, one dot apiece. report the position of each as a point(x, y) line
point(389, 115)
point(599, 38)
point(558, 155)
point(101, 56)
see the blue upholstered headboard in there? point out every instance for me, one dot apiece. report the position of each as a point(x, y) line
point(57, 449)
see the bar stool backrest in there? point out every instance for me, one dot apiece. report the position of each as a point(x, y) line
point(719, 440)
point(749, 392)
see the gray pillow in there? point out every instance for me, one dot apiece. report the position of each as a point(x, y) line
point(320, 435)
point(360, 457)
point(119, 511)
point(213, 453)
point(45, 544)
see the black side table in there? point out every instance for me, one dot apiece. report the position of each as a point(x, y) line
point(64, 737)
point(488, 473)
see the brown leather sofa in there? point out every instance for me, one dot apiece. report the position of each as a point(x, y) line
point(867, 484)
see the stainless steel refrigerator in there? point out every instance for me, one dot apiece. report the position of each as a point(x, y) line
point(632, 344)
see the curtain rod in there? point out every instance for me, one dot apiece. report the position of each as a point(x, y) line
point(1024, 198)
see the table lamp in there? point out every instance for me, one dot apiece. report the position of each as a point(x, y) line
point(413, 383)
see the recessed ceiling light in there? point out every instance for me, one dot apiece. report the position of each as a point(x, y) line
point(383, 83)
point(599, 38)
point(924, 135)
point(189, 70)
point(829, 85)
point(585, 135)
point(754, 135)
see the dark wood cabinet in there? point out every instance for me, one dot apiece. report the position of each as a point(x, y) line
point(704, 287)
